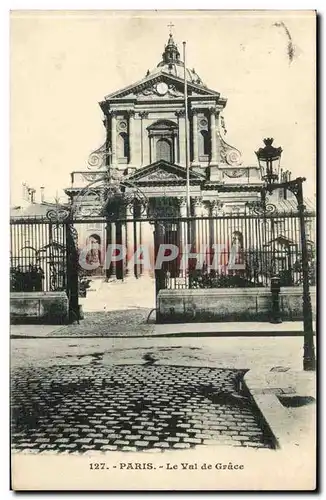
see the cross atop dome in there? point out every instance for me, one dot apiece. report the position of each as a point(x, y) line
point(170, 26)
point(171, 54)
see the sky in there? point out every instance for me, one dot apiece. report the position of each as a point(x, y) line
point(64, 63)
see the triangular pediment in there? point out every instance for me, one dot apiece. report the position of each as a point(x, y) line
point(163, 172)
point(150, 88)
point(281, 241)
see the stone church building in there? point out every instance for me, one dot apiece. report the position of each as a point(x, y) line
point(145, 148)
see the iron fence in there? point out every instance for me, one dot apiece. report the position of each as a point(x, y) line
point(242, 250)
point(38, 256)
point(237, 251)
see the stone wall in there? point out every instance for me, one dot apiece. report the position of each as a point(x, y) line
point(226, 304)
point(42, 307)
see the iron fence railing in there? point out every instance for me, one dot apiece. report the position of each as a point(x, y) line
point(38, 256)
point(242, 250)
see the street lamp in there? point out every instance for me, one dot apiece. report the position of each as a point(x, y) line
point(269, 161)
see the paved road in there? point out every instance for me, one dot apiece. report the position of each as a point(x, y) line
point(122, 322)
point(130, 408)
point(78, 395)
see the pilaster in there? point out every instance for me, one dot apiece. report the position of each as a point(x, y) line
point(182, 137)
point(195, 137)
point(113, 114)
point(213, 113)
point(131, 114)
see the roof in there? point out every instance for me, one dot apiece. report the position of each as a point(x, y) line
point(32, 210)
point(290, 205)
point(170, 67)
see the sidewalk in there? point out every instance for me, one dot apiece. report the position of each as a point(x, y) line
point(133, 323)
point(287, 400)
point(230, 328)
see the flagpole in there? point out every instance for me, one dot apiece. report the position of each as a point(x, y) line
point(186, 132)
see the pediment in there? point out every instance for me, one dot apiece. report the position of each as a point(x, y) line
point(150, 89)
point(163, 172)
point(281, 241)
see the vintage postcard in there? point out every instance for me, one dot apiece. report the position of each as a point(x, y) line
point(163, 250)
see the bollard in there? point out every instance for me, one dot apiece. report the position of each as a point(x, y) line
point(275, 289)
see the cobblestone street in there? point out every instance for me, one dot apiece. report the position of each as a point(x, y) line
point(130, 408)
point(122, 322)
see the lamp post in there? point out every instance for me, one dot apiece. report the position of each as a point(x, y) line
point(269, 161)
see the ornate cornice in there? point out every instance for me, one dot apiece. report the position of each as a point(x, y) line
point(143, 84)
point(229, 188)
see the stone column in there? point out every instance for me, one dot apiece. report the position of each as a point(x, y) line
point(143, 143)
point(113, 243)
point(213, 136)
point(147, 241)
point(199, 224)
point(151, 148)
point(113, 137)
point(129, 240)
point(195, 136)
point(183, 233)
point(138, 239)
point(182, 136)
point(131, 135)
point(218, 235)
point(175, 148)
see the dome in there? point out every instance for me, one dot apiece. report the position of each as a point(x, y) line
point(172, 65)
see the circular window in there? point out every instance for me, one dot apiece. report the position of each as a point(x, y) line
point(123, 125)
point(203, 122)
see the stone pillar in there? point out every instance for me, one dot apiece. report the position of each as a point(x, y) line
point(113, 138)
point(151, 149)
point(213, 136)
point(143, 139)
point(113, 243)
point(129, 241)
point(183, 233)
point(147, 240)
point(199, 224)
point(131, 135)
point(195, 137)
point(182, 137)
point(138, 239)
point(217, 235)
point(175, 148)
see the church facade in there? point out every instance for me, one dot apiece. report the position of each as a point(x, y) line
point(145, 148)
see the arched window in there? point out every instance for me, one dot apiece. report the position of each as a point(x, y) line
point(164, 150)
point(203, 143)
point(123, 145)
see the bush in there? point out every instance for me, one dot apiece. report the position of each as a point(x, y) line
point(211, 279)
